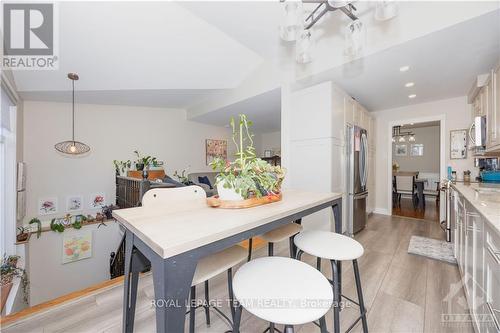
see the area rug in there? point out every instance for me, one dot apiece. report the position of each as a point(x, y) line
point(432, 248)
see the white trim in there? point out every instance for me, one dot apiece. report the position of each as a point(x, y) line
point(382, 211)
point(442, 150)
point(9, 89)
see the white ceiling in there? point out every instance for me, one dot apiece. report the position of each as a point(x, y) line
point(442, 65)
point(170, 54)
point(263, 110)
point(152, 49)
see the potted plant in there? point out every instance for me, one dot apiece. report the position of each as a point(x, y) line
point(144, 161)
point(23, 234)
point(248, 176)
point(38, 226)
point(183, 178)
point(8, 271)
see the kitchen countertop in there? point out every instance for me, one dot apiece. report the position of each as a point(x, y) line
point(487, 204)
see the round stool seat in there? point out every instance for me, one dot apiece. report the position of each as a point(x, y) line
point(328, 245)
point(280, 234)
point(282, 290)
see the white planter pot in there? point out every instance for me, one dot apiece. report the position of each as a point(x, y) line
point(227, 193)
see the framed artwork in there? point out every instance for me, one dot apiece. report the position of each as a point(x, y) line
point(21, 176)
point(47, 206)
point(417, 149)
point(458, 144)
point(215, 148)
point(97, 200)
point(74, 203)
point(401, 150)
point(76, 246)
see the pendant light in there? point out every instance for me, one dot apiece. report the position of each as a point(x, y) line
point(72, 147)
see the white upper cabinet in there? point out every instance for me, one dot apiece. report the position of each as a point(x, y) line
point(349, 106)
point(493, 110)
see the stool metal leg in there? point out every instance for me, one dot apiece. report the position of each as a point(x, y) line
point(230, 291)
point(362, 309)
point(271, 327)
point(336, 298)
point(237, 318)
point(299, 254)
point(322, 325)
point(250, 245)
point(192, 309)
point(288, 329)
point(292, 247)
point(207, 306)
point(270, 249)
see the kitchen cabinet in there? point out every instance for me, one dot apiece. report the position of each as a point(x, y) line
point(349, 106)
point(491, 304)
point(477, 250)
point(492, 101)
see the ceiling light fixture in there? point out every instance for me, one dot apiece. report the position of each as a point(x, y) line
point(412, 96)
point(386, 10)
point(354, 38)
point(303, 47)
point(291, 22)
point(409, 84)
point(404, 68)
point(399, 136)
point(72, 147)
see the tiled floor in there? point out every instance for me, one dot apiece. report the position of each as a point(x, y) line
point(403, 292)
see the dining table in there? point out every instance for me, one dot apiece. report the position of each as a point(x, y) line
point(171, 239)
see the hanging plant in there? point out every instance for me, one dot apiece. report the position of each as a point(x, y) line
point(56, 225)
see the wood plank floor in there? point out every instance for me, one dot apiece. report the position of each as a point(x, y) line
point(403, 292)
point(405, 209)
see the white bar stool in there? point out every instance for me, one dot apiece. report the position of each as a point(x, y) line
point(282, 298)
point(288, 231)
point(208, 268)
point(334, 247)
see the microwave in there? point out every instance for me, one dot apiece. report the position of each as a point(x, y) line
point(477, 132)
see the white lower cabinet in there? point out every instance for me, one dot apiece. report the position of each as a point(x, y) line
point(477, 250)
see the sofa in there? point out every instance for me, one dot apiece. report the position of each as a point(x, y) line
point(193, 177)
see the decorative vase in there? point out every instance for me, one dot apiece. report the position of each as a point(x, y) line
point(229, 194)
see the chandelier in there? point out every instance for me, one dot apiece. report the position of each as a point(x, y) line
point(297, 27)
point(72, 147)
point(398, 136)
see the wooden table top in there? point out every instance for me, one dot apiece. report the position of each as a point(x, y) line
point(171, 230)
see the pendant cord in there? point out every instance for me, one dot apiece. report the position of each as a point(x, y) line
point(73, 82)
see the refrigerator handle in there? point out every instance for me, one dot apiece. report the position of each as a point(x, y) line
point(364, 164)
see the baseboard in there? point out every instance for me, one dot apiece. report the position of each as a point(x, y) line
point(382, 211)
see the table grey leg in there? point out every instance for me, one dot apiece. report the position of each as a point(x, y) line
point(127, 325)
point(172, 282)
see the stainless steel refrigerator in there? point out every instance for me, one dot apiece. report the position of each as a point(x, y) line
point(357, 177)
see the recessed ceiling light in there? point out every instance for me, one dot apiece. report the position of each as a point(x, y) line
point(412, 96)
point(404, 68)
point(409, 84)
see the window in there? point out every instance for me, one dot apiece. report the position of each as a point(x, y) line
point(8, 193)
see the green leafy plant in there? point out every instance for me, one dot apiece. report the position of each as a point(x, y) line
point(9, 270)
point(56, 226)
point(183, 178)
point(145, 161)
point(38, 226)
point(248, 175)
point(122, 166)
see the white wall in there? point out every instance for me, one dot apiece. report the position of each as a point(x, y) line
point(113, 132)
point(49, 278)
point(429, 162)
point(457, 115)
point(269, 141)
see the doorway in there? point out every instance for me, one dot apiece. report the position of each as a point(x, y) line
point(416, 169)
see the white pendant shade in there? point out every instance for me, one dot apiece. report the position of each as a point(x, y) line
point(386, 10)
point(303, 47)
point(354, 38)
point(291, 23)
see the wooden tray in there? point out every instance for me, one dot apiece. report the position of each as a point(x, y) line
point(252, 202)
